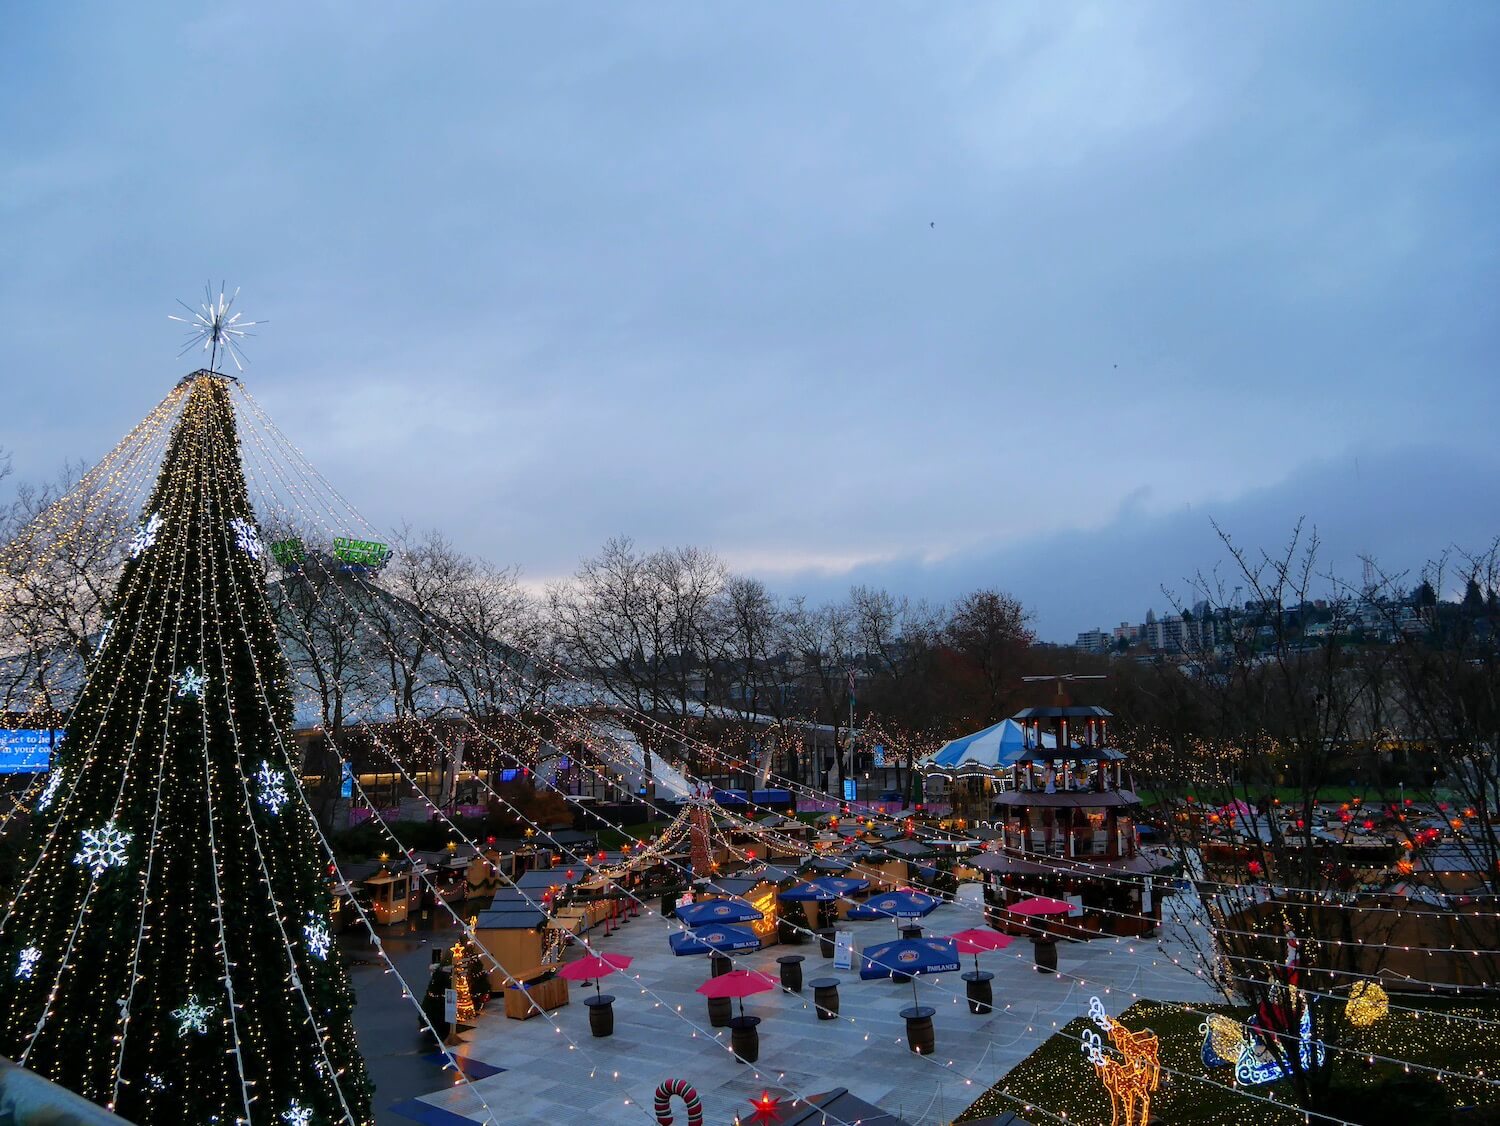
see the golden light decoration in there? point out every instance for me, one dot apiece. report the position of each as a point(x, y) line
point(1368, 1003)
point(1226, 1035)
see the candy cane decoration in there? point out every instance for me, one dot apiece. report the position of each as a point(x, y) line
point(684, 1090)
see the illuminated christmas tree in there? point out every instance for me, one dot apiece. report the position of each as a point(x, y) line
point(465, 997)
point(168, 952)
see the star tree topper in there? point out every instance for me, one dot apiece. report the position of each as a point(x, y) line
point(215, 327)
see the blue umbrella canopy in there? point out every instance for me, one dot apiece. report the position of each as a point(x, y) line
point(896, 905)
point(723, 939)
point(823, 890)
point(717, 911)
point(910, 956)
point(830, 864)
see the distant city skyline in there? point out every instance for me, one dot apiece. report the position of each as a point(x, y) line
point(933, 299)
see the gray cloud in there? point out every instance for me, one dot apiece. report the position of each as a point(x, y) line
point(828, 285)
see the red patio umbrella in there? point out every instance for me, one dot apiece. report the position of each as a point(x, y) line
point(738, 983)
point(978, 940)
point(593, 968)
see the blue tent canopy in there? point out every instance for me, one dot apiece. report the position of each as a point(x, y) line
point(722, 939)
point(1000, 745)
point(717, 911)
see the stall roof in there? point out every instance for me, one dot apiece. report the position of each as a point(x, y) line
point(510, 920)
point(552, 877)
point(837, 1108)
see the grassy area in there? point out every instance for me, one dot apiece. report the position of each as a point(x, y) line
point(1058, 1078)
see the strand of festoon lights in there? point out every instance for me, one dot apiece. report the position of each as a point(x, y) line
point(101, 765)
point(126, 468)
point(331, 502)
point(489, 787)
point(412, 782)
point(235, 545)
point(436, 809)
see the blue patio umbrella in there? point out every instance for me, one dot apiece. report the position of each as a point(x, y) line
point(909, 956)
point(711, 911)
point(830, 863)
point(823, 890)
point(723, 939)
point(896, 905)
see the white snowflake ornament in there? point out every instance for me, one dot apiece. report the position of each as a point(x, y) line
point(246, 538)
point(273, 794)
point(102, 849)
point(297, 1115)
point(189, 682)
point(193, 1016)
point(49, 792)
point(27, 962)
point(315, 931)
point(145, 535)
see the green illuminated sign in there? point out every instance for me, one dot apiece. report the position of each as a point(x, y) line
point(363, 553)
point(288, 552)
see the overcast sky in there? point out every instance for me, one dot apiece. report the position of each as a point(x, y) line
point(934, 295)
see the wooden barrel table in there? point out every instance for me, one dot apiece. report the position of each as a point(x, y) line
point(919, 1036)
point(981, 993)
point(1046, 954)
point(601, 1014)
point(719, 1012)
point(791, 972)
point(744, 1038)
point(826, 997)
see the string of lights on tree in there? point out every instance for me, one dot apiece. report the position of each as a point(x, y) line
point(203, 567)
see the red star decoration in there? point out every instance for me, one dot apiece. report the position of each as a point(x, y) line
point(767, 1107)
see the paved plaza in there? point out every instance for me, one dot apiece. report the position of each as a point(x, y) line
point(551, 1076)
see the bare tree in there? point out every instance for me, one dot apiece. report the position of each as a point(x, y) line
point(988, 634)
point(1242, 751)
point(65, 544)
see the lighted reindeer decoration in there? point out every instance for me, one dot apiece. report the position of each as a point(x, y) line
point(1130, 1079)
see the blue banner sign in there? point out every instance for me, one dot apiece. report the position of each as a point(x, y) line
point(26, 751)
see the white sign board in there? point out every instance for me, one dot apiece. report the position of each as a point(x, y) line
point(1077, 903)
point(685, 899)
point(843, 950)
point(450, 1006)
point(1146, 897)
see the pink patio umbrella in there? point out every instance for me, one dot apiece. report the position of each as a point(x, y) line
point(978, 940)
point(1040, 905)
point(593, 968)
point(738, 983)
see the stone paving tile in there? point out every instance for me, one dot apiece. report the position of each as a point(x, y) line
point(547, 1082)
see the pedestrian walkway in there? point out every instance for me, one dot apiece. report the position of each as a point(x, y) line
point(662, 1031)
